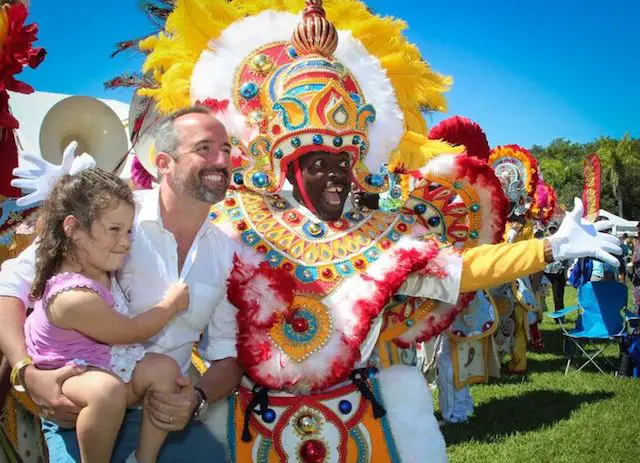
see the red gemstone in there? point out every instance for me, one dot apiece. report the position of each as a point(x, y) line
point(402, 227)
point(359, 263)
point(276, 130)
point(299, 325)
point(230, 202)
point(241, 226)
point(313, 451)
point(262, 249)
point(386, 244)
point(288, 266)
point(327, 273)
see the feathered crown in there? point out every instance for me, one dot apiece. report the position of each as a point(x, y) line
point(307, 102)
point(517, 170)
point(316, 88)
point(545, 201)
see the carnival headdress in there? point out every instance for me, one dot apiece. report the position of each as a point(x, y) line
point(340, 80)
point(517, 170)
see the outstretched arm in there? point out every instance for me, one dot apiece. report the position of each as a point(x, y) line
point(492, 265)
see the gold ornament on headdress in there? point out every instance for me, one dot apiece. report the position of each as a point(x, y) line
point(315, 34)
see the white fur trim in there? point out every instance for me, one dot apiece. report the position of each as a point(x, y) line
point(215, 419)
point(409, 406)
point(347, 320)
point(213, 76)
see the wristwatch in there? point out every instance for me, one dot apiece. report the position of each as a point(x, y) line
point(201, 405)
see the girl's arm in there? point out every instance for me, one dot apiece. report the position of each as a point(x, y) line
point(84, 310)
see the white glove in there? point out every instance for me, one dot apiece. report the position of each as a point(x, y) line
point(578, 237)
point(40, 176)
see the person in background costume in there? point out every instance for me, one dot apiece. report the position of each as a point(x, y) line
point(466, 353)
point(324, 101)
point(16, 222)
point(519, 175)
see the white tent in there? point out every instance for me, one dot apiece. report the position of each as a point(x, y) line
point(620, 225)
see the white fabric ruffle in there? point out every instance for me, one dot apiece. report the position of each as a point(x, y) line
point(124, 358)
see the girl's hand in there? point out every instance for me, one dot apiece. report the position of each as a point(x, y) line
point(178, 296)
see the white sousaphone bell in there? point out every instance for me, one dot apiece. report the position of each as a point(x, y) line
point(92, 124)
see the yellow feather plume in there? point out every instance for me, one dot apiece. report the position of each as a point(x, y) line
point(415, 150)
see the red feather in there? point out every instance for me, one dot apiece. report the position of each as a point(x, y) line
point(458, 130)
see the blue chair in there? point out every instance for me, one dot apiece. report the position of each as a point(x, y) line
point(600, 319)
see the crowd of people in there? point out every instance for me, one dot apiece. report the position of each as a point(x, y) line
point(256, 304)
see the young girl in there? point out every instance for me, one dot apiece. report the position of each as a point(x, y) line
point(80, 313)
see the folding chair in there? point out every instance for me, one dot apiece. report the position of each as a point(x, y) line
point(600, 319)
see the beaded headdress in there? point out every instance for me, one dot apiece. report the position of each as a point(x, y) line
point(303, 100)
point(517, 170)
point(335, 79)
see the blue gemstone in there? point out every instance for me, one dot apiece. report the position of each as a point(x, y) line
point(475, 207)
point(356, 139)
point(473, 234)
point(317, 140)
point(237, 178)
point(337, 142)
point(295, 142)
point(249, 90)
point(420, 209)
point(457, 185)
point(292, 52)
point(345, 407)
point(278, 153)
point(269, 416)
point(409, 323)
point(434, 221)
point(375, 180)
point(260, 179)
point(363, 147)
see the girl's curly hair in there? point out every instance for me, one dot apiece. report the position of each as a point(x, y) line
point(86, 196)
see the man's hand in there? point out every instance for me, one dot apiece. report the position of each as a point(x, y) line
point(45, 389)
point(172, 412)
point(578, 237)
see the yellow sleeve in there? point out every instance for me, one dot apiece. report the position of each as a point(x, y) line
point(489, 266)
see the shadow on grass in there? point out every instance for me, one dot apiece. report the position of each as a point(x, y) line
point(528, 412)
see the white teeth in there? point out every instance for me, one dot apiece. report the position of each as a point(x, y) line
point(335, 189)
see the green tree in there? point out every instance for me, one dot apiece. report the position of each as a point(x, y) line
point(562, 166)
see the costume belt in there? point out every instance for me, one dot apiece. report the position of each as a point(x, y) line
point(258, 399)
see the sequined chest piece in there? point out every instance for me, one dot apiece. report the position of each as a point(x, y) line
point(320, 255)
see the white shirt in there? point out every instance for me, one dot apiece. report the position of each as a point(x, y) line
point(151, 267)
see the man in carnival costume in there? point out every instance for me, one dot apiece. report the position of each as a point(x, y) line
point(530, 199)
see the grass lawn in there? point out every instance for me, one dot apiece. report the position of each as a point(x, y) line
point(547, 417)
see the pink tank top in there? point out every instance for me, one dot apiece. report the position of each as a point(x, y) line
point(53, 347)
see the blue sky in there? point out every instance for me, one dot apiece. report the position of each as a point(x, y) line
point(528, 71)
